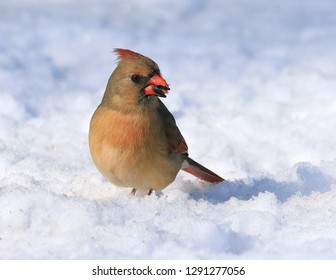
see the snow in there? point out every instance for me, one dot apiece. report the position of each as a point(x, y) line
point(252, 89)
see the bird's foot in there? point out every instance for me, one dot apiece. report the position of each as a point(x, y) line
point(134, 191)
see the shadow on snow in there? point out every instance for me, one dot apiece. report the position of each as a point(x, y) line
point(309, 179)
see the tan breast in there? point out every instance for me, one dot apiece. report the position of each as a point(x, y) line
point(131, 150)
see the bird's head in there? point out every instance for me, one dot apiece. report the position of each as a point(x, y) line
point(136, 79)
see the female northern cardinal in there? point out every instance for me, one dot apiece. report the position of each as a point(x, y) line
point(134, 140)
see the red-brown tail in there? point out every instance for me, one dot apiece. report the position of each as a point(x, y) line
point(200, 171)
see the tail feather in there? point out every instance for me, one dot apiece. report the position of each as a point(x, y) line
point(200, 171)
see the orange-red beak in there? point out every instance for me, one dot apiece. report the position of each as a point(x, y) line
point(157, 86)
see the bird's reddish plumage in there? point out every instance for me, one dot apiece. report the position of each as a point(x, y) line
point(125, 53)
point(201, 172)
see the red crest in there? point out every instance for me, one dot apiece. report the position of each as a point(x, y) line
point(124, 53)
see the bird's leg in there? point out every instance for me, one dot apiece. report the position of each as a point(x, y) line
point(133, 191)
point(150, 191)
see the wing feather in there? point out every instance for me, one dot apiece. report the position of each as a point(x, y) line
point(176, 142)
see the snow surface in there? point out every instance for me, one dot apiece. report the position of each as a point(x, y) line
point(253, 91)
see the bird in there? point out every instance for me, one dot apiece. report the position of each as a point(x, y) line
point(133, 138)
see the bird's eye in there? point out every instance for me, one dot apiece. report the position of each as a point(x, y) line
point(136, 78)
